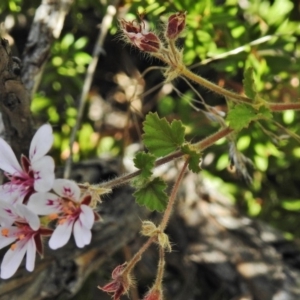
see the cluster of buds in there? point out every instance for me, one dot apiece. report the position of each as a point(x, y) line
point(136, 32)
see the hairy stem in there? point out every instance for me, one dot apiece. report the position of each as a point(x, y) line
point(205, 143)
point(276, 107)
point(211, 86)
point(160, 269)
point(172, 198)
point(163, 223)
point(138, 255)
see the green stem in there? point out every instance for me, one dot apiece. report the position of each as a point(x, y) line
point(210, 140)
point(182, 70)
point(172, 198)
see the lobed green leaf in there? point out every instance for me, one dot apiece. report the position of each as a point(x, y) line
point(144, 162)
point(152, 195)
point(241, 115)
point(161, 137)
point(194, 158)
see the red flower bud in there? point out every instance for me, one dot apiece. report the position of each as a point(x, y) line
point(176, 23)
point(153, 294)
point(120, 283)
point(137, 34)
point(149, 42)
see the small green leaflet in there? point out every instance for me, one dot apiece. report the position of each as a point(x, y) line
point(144, 162)
point(152, 195)
point(194, 158)
point(249, 84)
point(160, 137)
point(241, 115)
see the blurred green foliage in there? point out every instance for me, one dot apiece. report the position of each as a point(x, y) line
point(222, 40)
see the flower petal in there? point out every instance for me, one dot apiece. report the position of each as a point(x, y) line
point(30, 254)
point(61, 235)
point(43, 174)
point(67, 188)
point(82, 234)
point(11, 236)
point(12, 259)
point(8, 160)
point(11, 193)
point(28, 216)
point(87, 216)
point(41, 143)
point(8, 213)
point(44, 203)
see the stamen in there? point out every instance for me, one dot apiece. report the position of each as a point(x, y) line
point(53, 216)
point(62, 221)
point(5, 232)
point(21, 236)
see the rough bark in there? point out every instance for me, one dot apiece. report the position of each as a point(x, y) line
point(14, 102)
point(47, 25)
point(18, 81)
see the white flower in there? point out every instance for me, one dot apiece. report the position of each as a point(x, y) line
point(21, 227)
point(74, 213)
point(36, 173)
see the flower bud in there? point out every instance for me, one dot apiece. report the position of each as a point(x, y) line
point(175, 25)
point(154, 294)
point(149, 43)
point(136, 33)
point(120, 284)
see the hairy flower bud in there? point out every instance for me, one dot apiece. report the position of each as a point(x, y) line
point(149, 43)
point(120, 284)
point(154, 294)
point(175, 25)
point(137, 35)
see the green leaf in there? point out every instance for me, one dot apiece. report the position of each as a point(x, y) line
point(161, 137)
point(241, 115)
point(144, 162)
point(264, 113)
point(249, 84)
point(194, 158)
point(152, 195)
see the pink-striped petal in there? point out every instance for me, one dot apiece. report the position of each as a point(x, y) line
point(67, 188)
point(43, 174)
point(8, 160)
point(61, 235)
point(44, 203)
point(41, 143)
point(8, 213)
point(11, 193)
